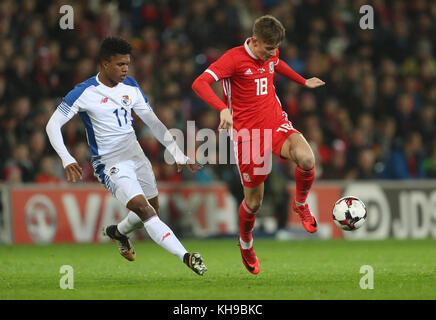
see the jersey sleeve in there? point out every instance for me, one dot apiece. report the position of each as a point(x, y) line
point(223, 68)
point(54, 133)
point(286, 71)
point(161, 133)
point(70, 104)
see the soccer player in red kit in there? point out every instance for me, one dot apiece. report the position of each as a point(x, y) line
point(252, 112)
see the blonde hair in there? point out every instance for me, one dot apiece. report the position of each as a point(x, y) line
point(269, 30)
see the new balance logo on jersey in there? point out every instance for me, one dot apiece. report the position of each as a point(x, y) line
point(248, 71)
point(104, 100)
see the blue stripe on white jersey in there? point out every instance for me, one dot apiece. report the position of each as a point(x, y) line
point(132, 82)
point(89, 133)
point(64, 108)
point(73, 95)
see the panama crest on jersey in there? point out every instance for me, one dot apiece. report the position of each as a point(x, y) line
point(114, 170)
point(271, 67)
point(125, 100)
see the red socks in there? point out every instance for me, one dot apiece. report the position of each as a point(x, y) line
point(303, 181)
point(246, 221)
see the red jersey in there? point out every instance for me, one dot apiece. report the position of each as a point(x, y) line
point(250, 95)
point(248, 88)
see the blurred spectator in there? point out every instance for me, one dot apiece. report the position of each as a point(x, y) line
point(322, 152)
point(406, 162)
point(46, 172)
point(429, 164)
point(425, 125)
point(37, 146)
point(20, 160)
point(385, 137)
point(387, 96)
point(405, 113)
point(13, 174)
point(358, 141)
point(22, 115)
point(337, 166)
point(365, 167)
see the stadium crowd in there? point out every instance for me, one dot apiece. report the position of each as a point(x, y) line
point(375, 118)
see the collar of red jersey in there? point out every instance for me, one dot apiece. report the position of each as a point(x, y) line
point(247, 48)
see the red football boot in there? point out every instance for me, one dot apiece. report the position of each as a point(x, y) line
point(249, 259)
point(308, 220)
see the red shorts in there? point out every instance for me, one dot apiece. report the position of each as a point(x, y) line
point(254, 155)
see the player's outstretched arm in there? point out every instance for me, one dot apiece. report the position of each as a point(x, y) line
point(286, 71)
point(73, 171)
point(202, 88)
point(160, 131)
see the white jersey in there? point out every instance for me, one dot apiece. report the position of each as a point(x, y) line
point(106, 113)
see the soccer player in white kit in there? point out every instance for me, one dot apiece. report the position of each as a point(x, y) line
point(105, 103)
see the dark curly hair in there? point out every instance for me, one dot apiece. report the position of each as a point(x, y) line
point(112, 46)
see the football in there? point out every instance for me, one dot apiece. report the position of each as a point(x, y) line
point(349, 213)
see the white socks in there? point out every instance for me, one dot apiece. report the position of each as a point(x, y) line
point(164, 236)
point(130, 223)
point(156, 229)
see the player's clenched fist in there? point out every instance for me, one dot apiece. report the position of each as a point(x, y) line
point(226, 119)
point(73, 172)
point(314, 83)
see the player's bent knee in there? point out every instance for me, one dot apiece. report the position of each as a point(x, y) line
point(141, 207)
point(254, 204)
point(306, 159)
point(154, 202)
point(145, 212)
point(307, 162)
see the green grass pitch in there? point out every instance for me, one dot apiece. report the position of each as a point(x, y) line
point(312, 269)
